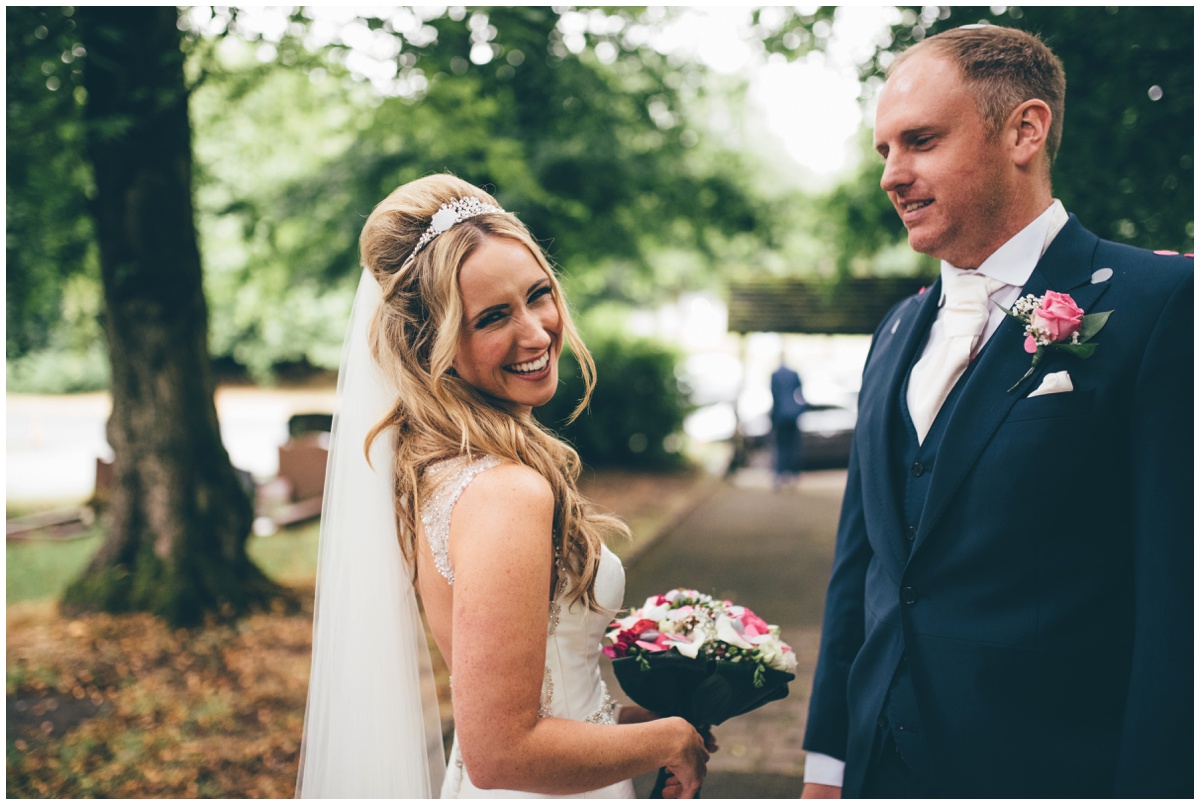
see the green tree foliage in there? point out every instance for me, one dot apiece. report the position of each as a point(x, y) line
point(47, 184)
point(576, 125)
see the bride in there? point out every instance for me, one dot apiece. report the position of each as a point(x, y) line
point(440, 477)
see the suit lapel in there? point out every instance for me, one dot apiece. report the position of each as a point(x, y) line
point(985, 401)
point(895, 350)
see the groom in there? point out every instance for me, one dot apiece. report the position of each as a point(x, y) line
point(1010, 609)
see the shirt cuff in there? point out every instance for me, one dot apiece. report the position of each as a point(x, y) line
point(823, 769)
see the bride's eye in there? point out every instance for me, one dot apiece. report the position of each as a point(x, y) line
point(488, 319)
point(543, 291)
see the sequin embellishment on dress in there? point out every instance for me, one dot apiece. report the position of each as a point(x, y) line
point(452, 477)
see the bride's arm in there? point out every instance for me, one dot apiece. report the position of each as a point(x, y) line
point(500, 548)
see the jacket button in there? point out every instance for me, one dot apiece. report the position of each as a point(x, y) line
point(918, 469)
point(882, 722)
point(910, 533)
point(908, 595)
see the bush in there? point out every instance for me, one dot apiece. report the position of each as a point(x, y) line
point(59, 371)
point(637, 409)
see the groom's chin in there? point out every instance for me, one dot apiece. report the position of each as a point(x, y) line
point(921, 243)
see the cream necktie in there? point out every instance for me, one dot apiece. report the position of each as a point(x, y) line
point(962, 320)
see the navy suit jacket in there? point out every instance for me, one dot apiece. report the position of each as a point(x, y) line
point(1049, 629)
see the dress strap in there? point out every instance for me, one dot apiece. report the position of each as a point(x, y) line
point(449, 478)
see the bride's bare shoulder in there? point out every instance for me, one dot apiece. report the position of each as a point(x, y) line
point(507, 487)
point(504, 520)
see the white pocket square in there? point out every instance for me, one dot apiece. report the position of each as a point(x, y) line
point(1054, 383)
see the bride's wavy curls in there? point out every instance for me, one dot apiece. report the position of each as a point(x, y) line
point(436, 416)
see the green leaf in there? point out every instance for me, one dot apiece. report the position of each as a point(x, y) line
point(1093, 323)
point(1078, 350)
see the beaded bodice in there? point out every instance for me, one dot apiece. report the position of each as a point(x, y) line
point(448, 479)
point(572, 686)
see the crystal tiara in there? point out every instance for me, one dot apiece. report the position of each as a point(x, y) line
point(454, 211)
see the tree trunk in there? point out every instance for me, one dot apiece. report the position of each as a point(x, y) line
point(178, 517)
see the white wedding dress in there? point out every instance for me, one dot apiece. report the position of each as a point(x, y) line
point(572, 687)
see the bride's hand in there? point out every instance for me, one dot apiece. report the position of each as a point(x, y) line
point(688, 765)
point(636, 714)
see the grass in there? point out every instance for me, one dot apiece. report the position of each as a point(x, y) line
point(123, 706)
point(289, 556)
point(39, 570)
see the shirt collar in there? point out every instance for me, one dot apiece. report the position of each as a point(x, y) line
point(1013, 262)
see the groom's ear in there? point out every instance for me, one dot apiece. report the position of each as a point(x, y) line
point(1028, 127)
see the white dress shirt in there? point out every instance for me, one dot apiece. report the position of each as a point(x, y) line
point(1011, 264)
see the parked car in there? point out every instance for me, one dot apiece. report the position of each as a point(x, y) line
point(827, 433)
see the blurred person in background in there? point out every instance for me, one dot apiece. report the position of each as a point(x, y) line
point(787, 404)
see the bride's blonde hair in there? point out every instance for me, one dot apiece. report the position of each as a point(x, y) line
point(437, 415)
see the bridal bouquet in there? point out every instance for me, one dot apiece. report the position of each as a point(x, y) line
point(688, 654)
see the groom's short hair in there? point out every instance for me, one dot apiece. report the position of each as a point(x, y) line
point(1003, 67)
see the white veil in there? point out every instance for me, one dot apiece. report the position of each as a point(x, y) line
point(371, 728)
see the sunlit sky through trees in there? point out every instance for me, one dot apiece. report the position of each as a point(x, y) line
point(811, 105)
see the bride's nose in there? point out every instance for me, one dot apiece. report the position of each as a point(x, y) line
point(532, 332)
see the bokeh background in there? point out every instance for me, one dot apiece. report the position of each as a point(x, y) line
point(184, 193)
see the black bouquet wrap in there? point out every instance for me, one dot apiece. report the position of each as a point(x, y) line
point(704, 691)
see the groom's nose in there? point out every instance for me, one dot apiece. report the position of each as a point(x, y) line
point(896, 173)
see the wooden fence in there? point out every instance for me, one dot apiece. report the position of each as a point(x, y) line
point(789, 305)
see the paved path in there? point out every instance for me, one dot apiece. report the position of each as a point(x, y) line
point(772, 551)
